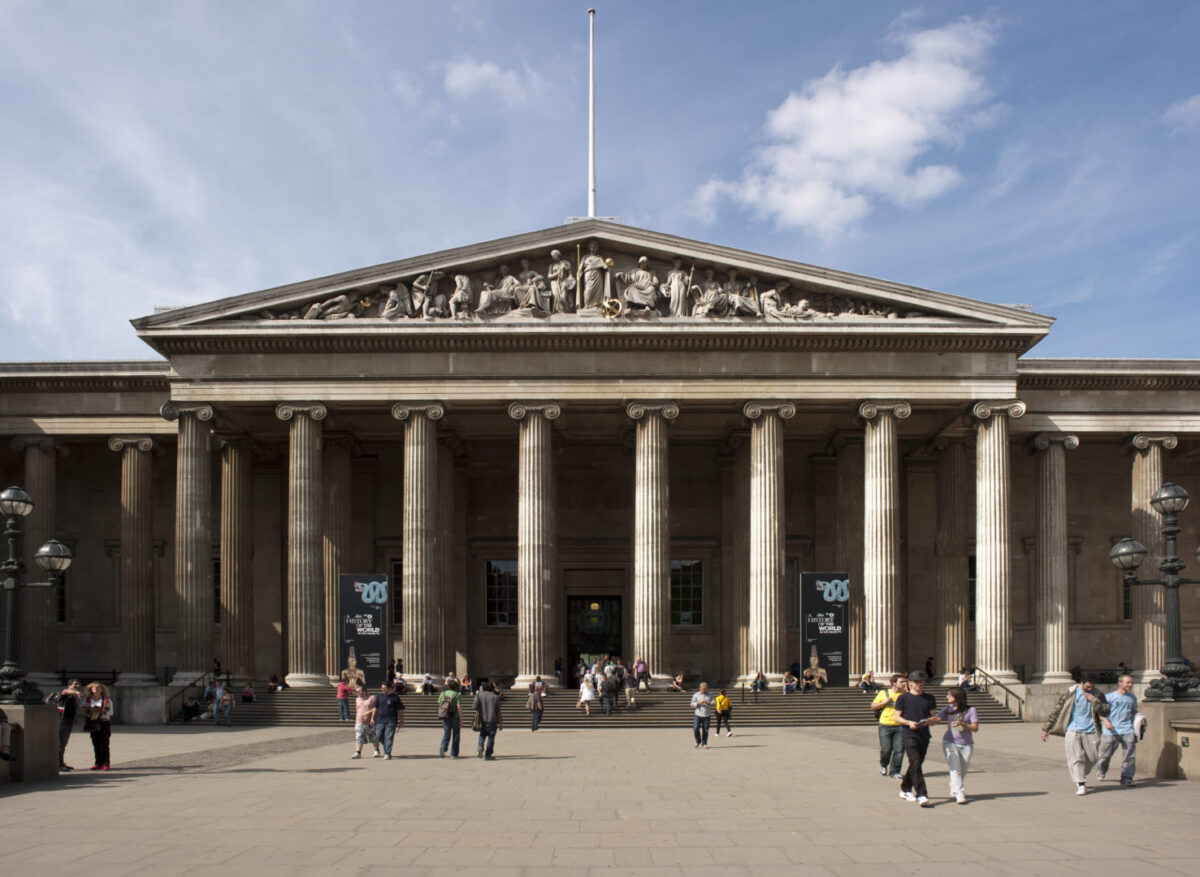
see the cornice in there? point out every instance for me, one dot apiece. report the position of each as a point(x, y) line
point(49, 377)
point(1108, 374)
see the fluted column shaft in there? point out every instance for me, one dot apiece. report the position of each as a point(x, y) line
point(1149, 603)
point(849, 547)
point(537, 586)
point(420, 592)
point(767, 540)
point(1050, 623)
point(993, 566)
point(193, 541)
point(306, 570)
point(335, 523)
point(237, 572)
point(881, 536)
point(39, 606)
point(652, 535)
point(952, 647)
point(137, 559)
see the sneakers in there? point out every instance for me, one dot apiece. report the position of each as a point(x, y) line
point(697, 745)
point(1081, 789)
point(65, 767)
point(897, 776)
point(1100, 778)
point(479, 754)
point(908, 796)
point(728, 733)
point(94, 767)
point(377, 754)
point(1127, 781)
point(922, 801)
point(703, 745)
point(356, 755)
point(387, 758)
point(105, 767)
point(441, 752)
point(960, 798)
point(883, 770)
point(489, 758)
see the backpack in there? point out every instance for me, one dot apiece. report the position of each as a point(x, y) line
point(445, 708)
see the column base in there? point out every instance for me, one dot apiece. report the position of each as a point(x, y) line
point(1051, 679)
point(1008, 677)
point(186, 677)
point(947, 679)
point(53, 682)
point(551, 682)
point(1140, 677)
point(774, 680)
point(135, 680)
point(306, 680)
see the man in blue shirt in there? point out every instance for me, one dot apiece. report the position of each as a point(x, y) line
point(388, 713)
point(1118, 729)
point(1085, 706)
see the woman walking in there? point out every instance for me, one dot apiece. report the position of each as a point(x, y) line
point(587, 694)
point(97, 718)
point(959, 741)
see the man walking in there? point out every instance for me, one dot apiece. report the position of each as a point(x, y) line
point(891, 749)
point(364, 722)
point(389, 710)
point(608, 690)
point(1082, 710)
point(1118, 729)
point(68, 705)
point(702, 705)
point(914, 711)
point(491, 720)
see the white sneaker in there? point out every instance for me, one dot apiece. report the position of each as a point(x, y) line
point(387, 758)
point(1100, 777)
point(1081, 790)
point(883, 770)
point(356, 755)
point(729, 733)
point(377, 754)
point(908, 796)
point(922, 801)
point(960, 798)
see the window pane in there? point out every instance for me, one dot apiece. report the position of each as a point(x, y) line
point(216, 582)
point(793, 592)
point(971, 589)
point(500, 593)
point(687, 593)
point(397, 567)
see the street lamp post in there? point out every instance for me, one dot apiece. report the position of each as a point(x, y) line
point(1177, 683)
point(54, 557)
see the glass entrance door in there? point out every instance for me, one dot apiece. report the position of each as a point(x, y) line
point(593, 627)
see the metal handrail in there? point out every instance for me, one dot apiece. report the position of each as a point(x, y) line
point(990, 680)
point(179, 694)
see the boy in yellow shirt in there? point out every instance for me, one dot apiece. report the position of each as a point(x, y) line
point(891, 752)
point(724, 711)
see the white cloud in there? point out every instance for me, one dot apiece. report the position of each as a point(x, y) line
point(855, 137)
point(466, 78)
point(1184, 114)
point(406, 88)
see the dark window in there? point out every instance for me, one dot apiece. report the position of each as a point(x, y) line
point(500, 593)
point(397, 566)
point(216, 574)
point(971, 589)
point(1126, 600)
point(793, 592)
point(60, 598)
point(687, 593)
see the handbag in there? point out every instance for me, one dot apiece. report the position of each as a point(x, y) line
point(477, 722)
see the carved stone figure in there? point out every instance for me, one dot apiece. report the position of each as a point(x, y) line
point(742, 299)
point(562, 283)
point(531, 292)
point(340, 307)
point(427, 299)
point(641, 286)
point(676, 289)
point(398, 304)
point(460, 302)
point(594, 279)
point(494, 302)
point(713, 300)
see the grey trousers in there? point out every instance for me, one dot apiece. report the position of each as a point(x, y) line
point(1081, 754)
point(1108, 746)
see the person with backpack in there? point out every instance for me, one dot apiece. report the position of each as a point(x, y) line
point(536, 707)
point(449, 710)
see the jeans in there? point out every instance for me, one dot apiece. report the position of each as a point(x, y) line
point(487, 737)
point(450, 732)
point(535, 719)
point(914, 777)
point(724, 717)
point(387, 734)
point(64, 734)
point(227, 712)
point(606, 703)
point(891, 751)
point(100, 743)
point(958, 759)
point(700, 729)
point(343, 709)
point(1108, 746)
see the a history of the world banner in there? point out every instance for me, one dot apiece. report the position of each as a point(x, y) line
point(824, 607)
point(362, 607)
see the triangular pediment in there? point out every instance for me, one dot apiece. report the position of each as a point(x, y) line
point(631, 277)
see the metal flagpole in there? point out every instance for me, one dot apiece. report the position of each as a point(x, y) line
point(591, 113)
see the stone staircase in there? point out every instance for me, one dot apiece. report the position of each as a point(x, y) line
point(655, 709)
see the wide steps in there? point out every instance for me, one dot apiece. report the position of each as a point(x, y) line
point(310, 707)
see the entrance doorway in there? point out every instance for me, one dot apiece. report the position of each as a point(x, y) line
point(593, 627)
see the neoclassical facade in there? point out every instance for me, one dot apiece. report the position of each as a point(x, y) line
point(596, 438)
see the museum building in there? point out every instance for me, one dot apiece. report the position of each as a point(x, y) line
point(596, 439)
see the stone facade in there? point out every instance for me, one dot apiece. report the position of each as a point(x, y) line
point(512, 445)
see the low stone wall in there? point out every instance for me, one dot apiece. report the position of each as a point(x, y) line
point(34, 743)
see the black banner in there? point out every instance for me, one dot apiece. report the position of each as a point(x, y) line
point(824, 606)
point(362, 607)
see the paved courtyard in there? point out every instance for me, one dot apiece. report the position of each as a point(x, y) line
point(766, 801)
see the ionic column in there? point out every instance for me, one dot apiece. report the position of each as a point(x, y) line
point(193, 540)
point(881, 536)
point(652, 536)
point(537, 582)
point(335, 523)
point(993, 566)
point(420, 591)
point(1149, 603)
point(849, 546)
point(39, 606)
point(1050, 622)
point(767, 540)
point(137, 559)
point(952, 651)
point(237, 571)
point(306, 571)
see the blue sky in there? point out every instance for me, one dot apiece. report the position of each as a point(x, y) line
point(169, 153)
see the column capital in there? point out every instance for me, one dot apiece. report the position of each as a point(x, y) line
point(288, 410)
point(984, 409)
point(872, 408)
point(121, 442)
point(405, 410)
point(548, 410)
point(1043, 440)
point(41, 442)
point(171, 410)
point(638, 410)
point(755, 410)
point(1142, 440)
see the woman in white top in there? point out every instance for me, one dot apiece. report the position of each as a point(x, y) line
point(587, 693)
point(97, 718)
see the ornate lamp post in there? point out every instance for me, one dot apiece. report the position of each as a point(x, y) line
point(1127, 555)
point(54, 557)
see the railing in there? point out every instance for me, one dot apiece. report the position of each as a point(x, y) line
point(1009, 694)
point(171, 709)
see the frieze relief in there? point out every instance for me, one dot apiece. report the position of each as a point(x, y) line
point(620, 287)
